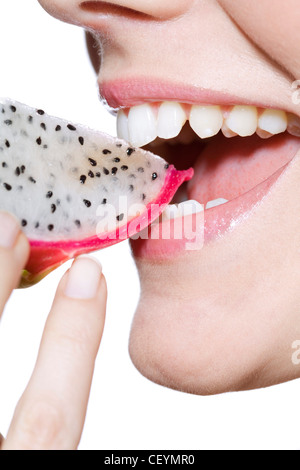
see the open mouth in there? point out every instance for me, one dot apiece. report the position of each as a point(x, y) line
point(237, 153)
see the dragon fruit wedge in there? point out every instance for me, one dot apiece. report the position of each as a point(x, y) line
point(75, 190)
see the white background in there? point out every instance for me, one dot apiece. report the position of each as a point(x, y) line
point(44, 63)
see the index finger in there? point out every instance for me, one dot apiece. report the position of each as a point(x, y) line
point(51, 412)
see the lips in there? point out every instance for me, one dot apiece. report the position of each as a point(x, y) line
point(233, 176)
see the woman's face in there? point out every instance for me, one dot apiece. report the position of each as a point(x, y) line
point(224, 316)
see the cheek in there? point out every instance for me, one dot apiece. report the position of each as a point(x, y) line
point(275, 30)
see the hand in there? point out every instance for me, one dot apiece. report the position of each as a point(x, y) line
point(51, 412)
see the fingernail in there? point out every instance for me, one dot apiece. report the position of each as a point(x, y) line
point(9, 230)
point(83, 279)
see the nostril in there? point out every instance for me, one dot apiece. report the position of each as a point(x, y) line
point(107, 8)
point(154, 10)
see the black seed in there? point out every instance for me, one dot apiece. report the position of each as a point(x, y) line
point(141, 170)
point(4, 165)
point(43, 126)
point(120, 217)
point(19, 188)
point(92, 162)
point(45, 146)
point(49, 194)
point(78, 223)
point(58, 202)
point(30, 118)
point(39, 141)
point(82, 179)
point(117, 160)
point(81, 140)
point(58, 128)
point(87, 203)
point(167, 166)
point(132, 176)
point(40, 112)
point(24, 223)
point(124, 167)
point(106, 152)
point(53, 208)
point(104, 201)
point(50, 227)
point(114, 170)
point(3, 111)
point(119, 145)
point(105, 171)
point(7, 144)
point(32, 180)
point(71, 127)
point(37, 225)
point(131, 188)
point(13, 108)
point(17, 171)
point(8, 122)
point(7, 186)
point(143, 196)
point(154, 176)
point(130, 151)
point(98, 174)
point(91, 174)
point(23, 168)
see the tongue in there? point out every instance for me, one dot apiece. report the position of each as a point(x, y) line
point(227, 168)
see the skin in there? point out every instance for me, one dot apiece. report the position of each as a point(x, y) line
point(223, 318)
point(51, 412)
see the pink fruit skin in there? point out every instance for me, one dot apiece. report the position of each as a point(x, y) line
point(47, 256)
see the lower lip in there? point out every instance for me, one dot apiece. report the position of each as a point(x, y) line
point(192, 232)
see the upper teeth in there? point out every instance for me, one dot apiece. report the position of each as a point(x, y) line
point(170, 119)
point(206, 121)
point(142, 124)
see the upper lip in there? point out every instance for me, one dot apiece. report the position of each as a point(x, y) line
point(125, 93)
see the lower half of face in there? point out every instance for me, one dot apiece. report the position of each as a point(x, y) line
point(205, 84)
point(226, 317)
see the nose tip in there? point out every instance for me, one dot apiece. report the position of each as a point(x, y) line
point(65, 10)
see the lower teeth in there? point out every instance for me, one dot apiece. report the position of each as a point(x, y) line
point(215, 203)
point(174, 211)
